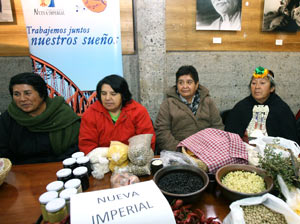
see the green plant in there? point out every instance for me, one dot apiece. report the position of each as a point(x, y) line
point(274, 164)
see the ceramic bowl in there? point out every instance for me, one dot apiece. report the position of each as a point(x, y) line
point(235, 195)
point(188, 197)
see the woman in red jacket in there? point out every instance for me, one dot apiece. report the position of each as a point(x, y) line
point(114, 117)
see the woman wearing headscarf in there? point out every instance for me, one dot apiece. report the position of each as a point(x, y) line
point(263, 112)
point(36, 128)
point(187, 109)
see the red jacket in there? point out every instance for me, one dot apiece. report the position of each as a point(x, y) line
point(97, 128)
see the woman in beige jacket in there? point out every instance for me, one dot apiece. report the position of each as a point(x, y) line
point(187, 109)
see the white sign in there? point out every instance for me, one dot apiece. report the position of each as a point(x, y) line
point(137, 203)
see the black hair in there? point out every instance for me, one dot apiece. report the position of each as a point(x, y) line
point(187, 70)
point(118, 84)
point(271, 73)
point(36, 81)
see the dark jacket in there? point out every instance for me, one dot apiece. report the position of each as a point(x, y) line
point(22, 146)
point(280, 122)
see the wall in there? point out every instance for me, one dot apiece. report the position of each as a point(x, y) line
point(227, 74)
point(181, 33)
point(151, 70)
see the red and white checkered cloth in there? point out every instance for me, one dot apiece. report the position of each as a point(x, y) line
point(216, 148)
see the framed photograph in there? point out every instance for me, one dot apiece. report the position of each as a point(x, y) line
point(219, 15)
point(5, 11)
point(281, 16)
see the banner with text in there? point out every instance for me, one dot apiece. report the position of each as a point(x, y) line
point(137, 203)
point(79, 38)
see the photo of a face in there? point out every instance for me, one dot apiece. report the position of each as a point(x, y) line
point(5, 11)
point(219, 15)
point(225, 7)
point(281, 16)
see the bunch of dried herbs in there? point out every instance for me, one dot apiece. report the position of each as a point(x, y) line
point(274, 164)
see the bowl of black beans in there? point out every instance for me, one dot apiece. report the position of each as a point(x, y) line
point(181, 182)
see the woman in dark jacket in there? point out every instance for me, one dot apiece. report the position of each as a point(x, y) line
point(35, 128)
point(263, 112)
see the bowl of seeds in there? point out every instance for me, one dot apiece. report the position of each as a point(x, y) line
point(239, 181)
point(181, 182)
point(261, 214)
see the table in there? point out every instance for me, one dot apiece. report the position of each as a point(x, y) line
point(24, 184)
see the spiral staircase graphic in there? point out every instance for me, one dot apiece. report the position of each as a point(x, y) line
point(60, 85)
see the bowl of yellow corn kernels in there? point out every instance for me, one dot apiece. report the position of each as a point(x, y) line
point(239, 181)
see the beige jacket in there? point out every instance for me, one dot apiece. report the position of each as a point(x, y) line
point(175, 120)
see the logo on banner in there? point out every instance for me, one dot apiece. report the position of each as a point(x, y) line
point(47, 3)
point(95, 5)
point(48, 9)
